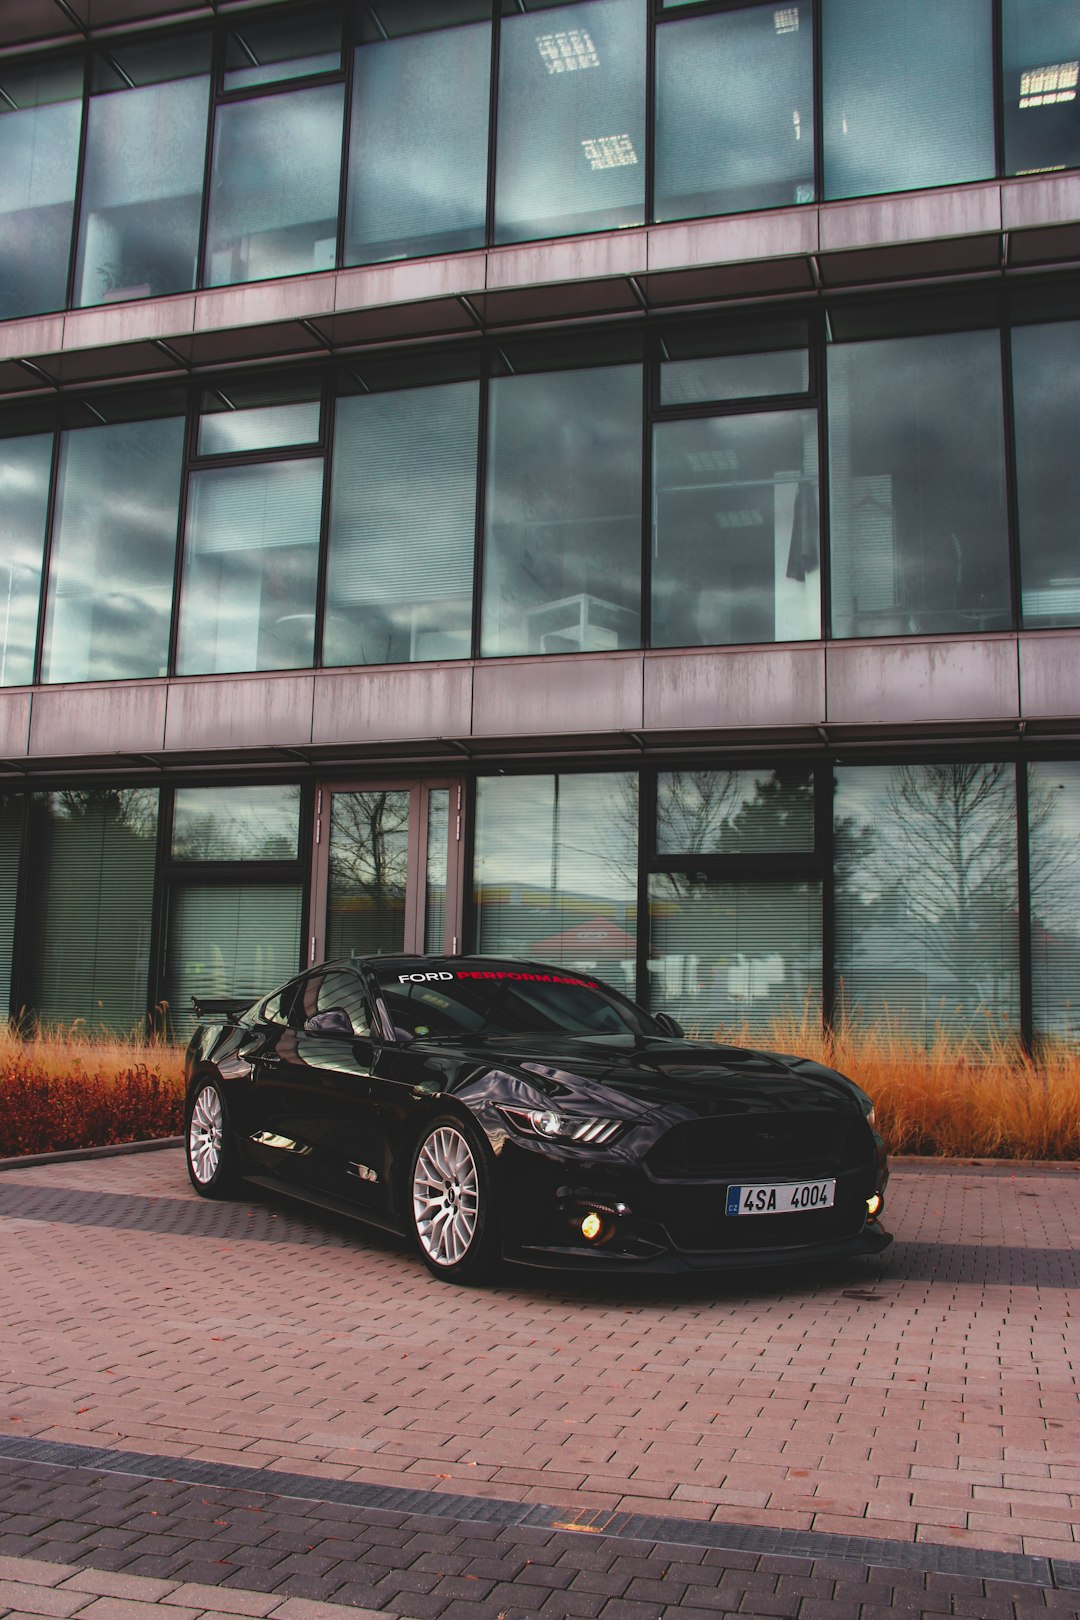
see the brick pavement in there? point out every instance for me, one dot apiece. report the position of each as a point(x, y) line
point(925, 1401)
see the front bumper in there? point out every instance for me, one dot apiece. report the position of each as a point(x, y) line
point(655, 1226)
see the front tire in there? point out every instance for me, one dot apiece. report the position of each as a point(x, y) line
point(209, 1147)
point(451, 1202)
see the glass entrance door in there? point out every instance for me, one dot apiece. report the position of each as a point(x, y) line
point(387, 869)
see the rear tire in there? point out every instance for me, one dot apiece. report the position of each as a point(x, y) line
point(210, 1150)
point(450, 1201)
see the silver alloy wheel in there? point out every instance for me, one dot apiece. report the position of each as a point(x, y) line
point(446, 1196)
point(205, 1135)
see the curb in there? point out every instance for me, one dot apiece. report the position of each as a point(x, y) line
point(111, 1150)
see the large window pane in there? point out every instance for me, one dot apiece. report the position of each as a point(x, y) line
point(251, 562)
point(229, 939)
point(571, 131)
point(734, 812)
point(437, 860)
point(40, 119)
point(556, 872)
point(248, 416)
point(1041, 68)
point(274, 190)
point(236, 824)
point(708, 364)
point(11, 826)
point(114, 552)
point(271, 49)
point(402, 526)
point(1054, 844)
point(735, 111)
point(417, 153)
point(369, 868)
point(729, 956)
point(562, 565)
point(925, 881)
point(1046, 390)
point(735, 530)
point(143, 175)
point(916, 455)
point(90, 950)
point(909, 94)
point(24, 500)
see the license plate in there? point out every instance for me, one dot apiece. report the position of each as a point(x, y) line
point(780, 1198)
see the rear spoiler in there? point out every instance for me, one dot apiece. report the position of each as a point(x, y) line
point(227, 1007)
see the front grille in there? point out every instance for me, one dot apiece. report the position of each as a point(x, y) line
point(748, 1147)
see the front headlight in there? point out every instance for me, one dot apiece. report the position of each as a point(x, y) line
point(587, 1129)
point(871, 1117)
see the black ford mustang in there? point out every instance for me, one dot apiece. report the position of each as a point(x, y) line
point(491, 1108)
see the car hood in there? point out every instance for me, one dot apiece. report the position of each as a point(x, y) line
point(681, 1078)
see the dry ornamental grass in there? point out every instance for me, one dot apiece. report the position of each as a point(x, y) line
point(72, 1088)
point(976, 1096)
point(972, 1096)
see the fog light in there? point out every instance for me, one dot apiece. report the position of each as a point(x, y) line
point(591, 1226)
point(873, 1205)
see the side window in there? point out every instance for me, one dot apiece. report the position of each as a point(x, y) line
point(324, 993)
point(275, 1010)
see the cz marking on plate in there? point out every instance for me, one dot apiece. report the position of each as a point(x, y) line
point(780, 1198)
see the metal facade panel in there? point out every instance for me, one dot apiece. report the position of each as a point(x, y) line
point(38, 334)
point(1043, 199)
point(735, 688)
point(261, 302)
point(382, 705)
point(14, 724)
point(127, 323)
point(1050, 675)
point(914, 216)
point(578, 258)
point(246, 711)
point(908, 682)
point(123, 717)
point(597, 692)
point(410, 279)
point(784, 233)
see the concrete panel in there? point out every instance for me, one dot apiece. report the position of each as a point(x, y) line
point(14, 724)
point(401, 283)
point(913, 217)
point(382, 705)
point(780, 234)
point(1050, 675)
point(731, 689)
point(1042, 199)
point(126, 718)
point(907, 682)
point(578, 258)
point(264, 301)
point(245, 711)
point(44, 334)
point(600, 692)
point(129, 323)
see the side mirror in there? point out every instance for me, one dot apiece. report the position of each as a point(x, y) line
point(334, 1021)
point(670, 1026)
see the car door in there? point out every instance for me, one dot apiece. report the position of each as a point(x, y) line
point(311, 1078)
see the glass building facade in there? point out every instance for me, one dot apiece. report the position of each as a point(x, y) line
point(589, 480)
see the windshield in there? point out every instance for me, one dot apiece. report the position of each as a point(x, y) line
point(479, 1001)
